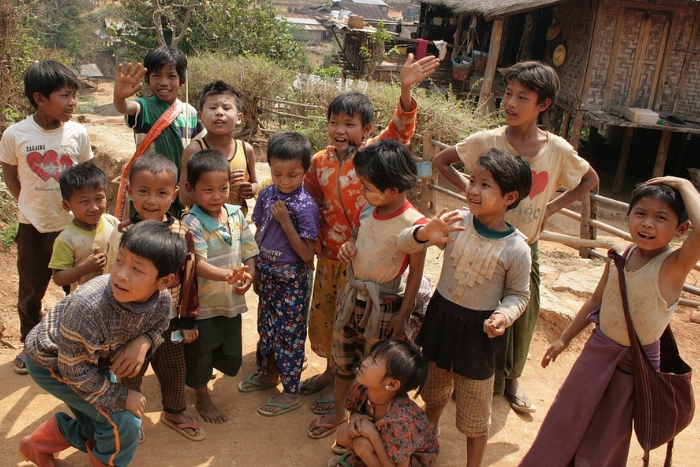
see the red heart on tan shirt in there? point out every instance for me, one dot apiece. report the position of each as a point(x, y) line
point(539, 183)
point(50, 165)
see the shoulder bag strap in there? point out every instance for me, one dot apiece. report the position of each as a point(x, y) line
point(161, 124)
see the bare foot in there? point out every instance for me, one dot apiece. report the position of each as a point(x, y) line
point(206, 408)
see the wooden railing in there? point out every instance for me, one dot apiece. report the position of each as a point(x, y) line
point(586, 243)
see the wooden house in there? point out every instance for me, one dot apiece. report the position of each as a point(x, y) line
point(610, 55)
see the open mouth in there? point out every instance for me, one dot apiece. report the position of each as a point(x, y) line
point(646, 236)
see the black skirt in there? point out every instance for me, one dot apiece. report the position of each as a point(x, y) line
point(453, 337)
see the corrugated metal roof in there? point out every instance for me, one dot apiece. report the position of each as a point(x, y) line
point(90, 71)
point(368, 12)
point(371, 2)
point(491, 8)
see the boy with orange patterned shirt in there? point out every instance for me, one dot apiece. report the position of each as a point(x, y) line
point(332, 182)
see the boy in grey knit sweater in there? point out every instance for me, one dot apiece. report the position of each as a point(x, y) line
point(105, 329)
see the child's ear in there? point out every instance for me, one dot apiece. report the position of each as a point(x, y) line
point(511, 197)
point(65, 205)
point(392, 191)
point(39, 98)
point(682, 229)
point(189, 188)
point(393, 385)
point(240, 118)
point(545, 104)
point(176, 192)
point(366, 130)
point(166, 281)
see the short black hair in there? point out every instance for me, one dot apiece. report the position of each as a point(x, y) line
point(46, 77)
point(404, 363)
point(289, 146)
point(163, 55)
point(663, 193)
point(206, 160)
point(80, 177)
point(219, 87)
point(387, 164)
point(155, 164)
point(154, 241)
point(535, 76)
point(512, 173)
point(352, 103)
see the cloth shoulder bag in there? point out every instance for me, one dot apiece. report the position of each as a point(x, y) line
point(664, 403)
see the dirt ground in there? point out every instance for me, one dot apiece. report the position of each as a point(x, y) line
point(252, 440)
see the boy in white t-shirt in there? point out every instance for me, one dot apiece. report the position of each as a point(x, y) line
point(35, 152)
point(79, 252)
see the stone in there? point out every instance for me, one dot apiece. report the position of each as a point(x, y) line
point(695, 317)
point(581, 282)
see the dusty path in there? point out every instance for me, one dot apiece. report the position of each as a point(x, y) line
point(252, 440)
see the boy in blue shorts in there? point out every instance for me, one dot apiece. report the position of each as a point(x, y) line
point(104, 329)
point(79, 252)
point(37, 150)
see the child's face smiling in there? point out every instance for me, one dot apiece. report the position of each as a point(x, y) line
point(211, 192)
point(345, 130)
point(219, 115)
point(56, 109)
point(520, 105)
point(152, 193)
point(87, 205)
point(484, 197)
point(287, 175)
point(652, 224)
point(134, 278)
point(164, 83)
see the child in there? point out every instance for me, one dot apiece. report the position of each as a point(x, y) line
point(385, 426)
point(164, 70)
point(220, 111)
point(153, 187)
point(483, 288)
point(36, 151)
point(286, 218)
point(531, 88)
point(601, 382)
point(79, 250)
point(222, 242)
point(107, 326)
point(374, 306)
point(335, 187)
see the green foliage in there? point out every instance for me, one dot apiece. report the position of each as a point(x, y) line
point(333, 72)
point(66, 25)
point(374, 53)
point(87, 107)
point(229, 27)
point(8, 234)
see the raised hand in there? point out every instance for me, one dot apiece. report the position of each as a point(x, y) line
point(416, 71)
point(129, 81)
point(438, 229)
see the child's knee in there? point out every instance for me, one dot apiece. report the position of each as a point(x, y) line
point(363, 448)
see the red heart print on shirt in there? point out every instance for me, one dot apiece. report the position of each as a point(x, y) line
point(50, 165)
point(539, 183)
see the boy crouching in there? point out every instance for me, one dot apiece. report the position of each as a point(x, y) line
point(105, 329)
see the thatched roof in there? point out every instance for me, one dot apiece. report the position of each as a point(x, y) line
point(491, 8)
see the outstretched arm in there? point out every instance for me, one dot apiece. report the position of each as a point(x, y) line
point(413, 73)
point(126, 85)
point(580, 321)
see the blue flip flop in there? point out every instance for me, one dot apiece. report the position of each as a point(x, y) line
point(257, 385)
point(285, 408)
point(320, 401)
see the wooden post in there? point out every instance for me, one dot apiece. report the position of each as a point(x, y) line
point(565, 125)
point(487, 103)
point(622, 163)
point(576, 129)
point(662, 153)
point(589, 210)
point(428, 197)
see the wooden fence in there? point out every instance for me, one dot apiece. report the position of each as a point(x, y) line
point(586, 243)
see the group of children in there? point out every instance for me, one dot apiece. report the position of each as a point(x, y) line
point(340, 216)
